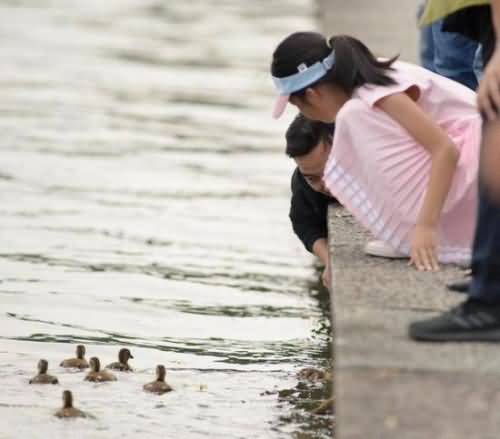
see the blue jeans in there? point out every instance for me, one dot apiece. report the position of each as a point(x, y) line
point(450, 54)
point(486, 252)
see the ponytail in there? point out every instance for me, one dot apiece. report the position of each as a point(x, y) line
point(355, 65)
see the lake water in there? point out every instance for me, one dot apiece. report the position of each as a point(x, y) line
point(144, 199)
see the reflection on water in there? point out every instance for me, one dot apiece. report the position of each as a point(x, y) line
point(144, 199)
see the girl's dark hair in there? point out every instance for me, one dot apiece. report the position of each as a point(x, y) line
point(303, 135)
point(355, 65)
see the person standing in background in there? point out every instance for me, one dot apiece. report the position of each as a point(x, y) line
point(478, 317)
point(449, 54)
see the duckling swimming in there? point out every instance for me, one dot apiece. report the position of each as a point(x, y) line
point(122, 363)
point(159, 386)
point(67, 410)
point(96, 374)
point(43, 377)
point(80, 362)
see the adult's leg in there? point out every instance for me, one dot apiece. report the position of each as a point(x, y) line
point(485, 284)
point(478, 64)
point(454, 55)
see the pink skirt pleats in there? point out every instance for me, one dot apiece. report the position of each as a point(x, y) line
point(383, 185)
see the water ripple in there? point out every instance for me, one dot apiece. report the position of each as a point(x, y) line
point(144, 203)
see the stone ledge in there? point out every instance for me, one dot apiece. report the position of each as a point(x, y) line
point(387, 385)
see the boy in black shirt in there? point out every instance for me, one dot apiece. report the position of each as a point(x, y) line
point(309, 144)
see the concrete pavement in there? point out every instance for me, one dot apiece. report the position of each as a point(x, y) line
point(386, 385)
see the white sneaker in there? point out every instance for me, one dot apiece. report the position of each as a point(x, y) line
point(383, 250)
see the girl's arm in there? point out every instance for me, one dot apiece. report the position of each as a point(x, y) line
point(444, 156)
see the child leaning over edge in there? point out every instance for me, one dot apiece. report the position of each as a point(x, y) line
point(404, 158)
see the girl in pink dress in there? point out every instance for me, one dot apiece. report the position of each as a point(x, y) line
point(404, 159)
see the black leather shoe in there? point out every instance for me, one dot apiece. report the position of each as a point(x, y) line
point(472, 320)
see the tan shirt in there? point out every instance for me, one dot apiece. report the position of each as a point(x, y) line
point(437, 9)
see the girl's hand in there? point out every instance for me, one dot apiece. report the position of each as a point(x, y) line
point(424, 249)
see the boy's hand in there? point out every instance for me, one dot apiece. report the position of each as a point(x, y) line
point(326, 277)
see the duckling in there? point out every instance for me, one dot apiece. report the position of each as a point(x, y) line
point(159, 386)
point(43, 377)
point(122, 363)
point(80, 362)
point(67, 410)
point(96, 374)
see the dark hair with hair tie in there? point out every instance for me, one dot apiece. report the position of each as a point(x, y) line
point(355, 65)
